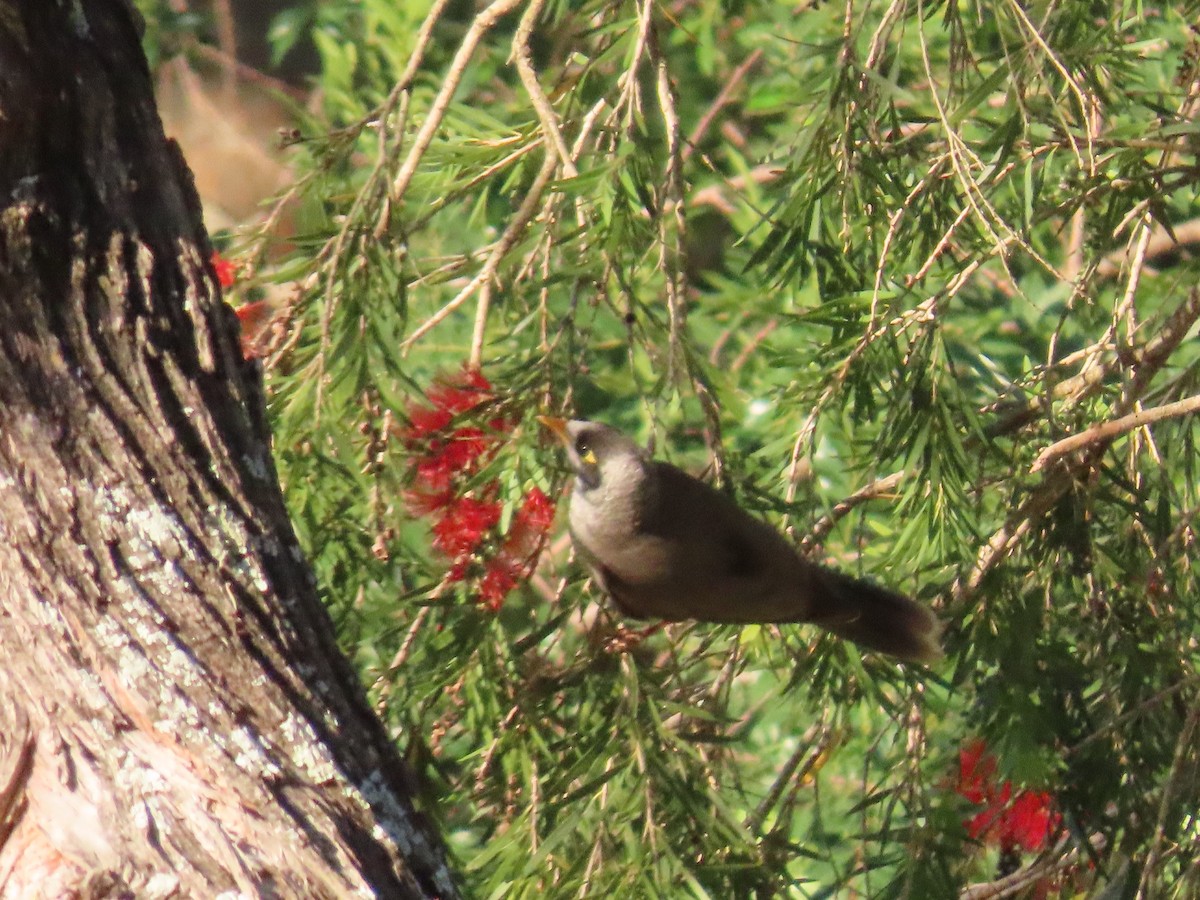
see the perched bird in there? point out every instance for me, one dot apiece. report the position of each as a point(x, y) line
point(666, 545)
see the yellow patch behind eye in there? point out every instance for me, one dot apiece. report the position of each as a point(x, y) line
point(588, 457)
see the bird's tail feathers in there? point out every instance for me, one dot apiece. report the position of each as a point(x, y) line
point(875, 617)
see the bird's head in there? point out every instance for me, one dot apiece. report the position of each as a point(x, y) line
point(596, 452)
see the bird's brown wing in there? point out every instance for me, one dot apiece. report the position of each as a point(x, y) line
point(708, 559)
point(702, 557)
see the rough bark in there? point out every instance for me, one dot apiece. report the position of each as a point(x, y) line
point(175, 719)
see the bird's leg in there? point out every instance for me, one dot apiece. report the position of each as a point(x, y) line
point(625, 638)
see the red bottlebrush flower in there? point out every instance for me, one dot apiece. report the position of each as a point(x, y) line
point(464, 447)
point(1030, 822)
point(1027, 821)
point(976, 771)
point(529, 525)
point(425, 503)
point(254, 318)
point(424, 421)
point(982, 825)
point(473, 380)
point(447, 398)
point(463, 525)
point(461, 392)
point(223, 269)
point(446, 459)
point(434, 474)
point(498, 580)
point(537, 511)
point(440, 458)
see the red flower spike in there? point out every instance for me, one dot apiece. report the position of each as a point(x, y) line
point(254, 318)
point(223, 269)
point(423, 421)
point(464, 524)
point(473, 378)
point(537, 511)
point(976, 771)
point(982, 825)
point(498, 580)
point(465, 446)
point(434, 475)
point(466, 391)
point(424, 503)
point(1027, 821)
point(529, 525)
point(440, 457)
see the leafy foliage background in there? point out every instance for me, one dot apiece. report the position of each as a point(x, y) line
point(865, 262)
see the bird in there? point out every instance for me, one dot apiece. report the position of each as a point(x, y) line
point(666, 545)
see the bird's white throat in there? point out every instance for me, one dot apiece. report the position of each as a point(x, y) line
point(612, 510)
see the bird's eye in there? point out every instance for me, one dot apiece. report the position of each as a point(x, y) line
point(584, 450)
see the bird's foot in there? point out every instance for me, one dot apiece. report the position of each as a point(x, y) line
point(625, 639)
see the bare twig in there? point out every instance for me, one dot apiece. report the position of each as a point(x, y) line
point(1083, 385)
point(753, 344)
point(1183, 747)
point(813, 747)
point(420, 45)
point(522, 57)
point(721, 101)
point(825, 524)
point(483, 280)
point(630, 100)
point(714, 194)
point(1145, 363)
point(480, 26)
point(1010, 885)
point(1185, 235)
point(1107, 430)
point(1128, 715)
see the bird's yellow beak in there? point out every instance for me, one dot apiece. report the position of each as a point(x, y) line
point(558, 426)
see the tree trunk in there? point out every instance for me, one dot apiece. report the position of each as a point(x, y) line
point(175, 719)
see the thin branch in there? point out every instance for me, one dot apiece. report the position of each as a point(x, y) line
point(1183, 747)
point(480, 26)
point(714, 194)
point(383, 684)
point(1128, 715)
point(670, 240)
point(722, 100)
point(1082, 385)
point(500, 249)
point(1185, 236)
point(1107, 430)
point(813, 746)
point(1145, 363)
point(825, 524)
point(628, 84)
point(1010, 885)
point(522, 57)
point(424, 33)
point(753, 344)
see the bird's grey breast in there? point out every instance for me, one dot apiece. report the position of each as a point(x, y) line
point(607, 519)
